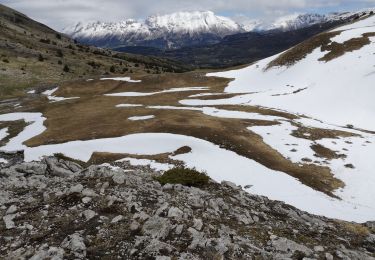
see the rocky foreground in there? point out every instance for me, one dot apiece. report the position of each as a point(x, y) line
point(55, 209)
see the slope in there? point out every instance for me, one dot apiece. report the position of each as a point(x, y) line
point(32, 54)
point(329, 77)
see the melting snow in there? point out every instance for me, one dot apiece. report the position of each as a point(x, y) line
point(3, 133)
point(126, 79)
point(138, 118)
point(129, 105)
point(211, 111)
point(2, 160)
point(49, 95)
point(152, 163)
point(141, 94)
point(34, 128)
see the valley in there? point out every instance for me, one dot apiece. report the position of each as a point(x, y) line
point(276, 123)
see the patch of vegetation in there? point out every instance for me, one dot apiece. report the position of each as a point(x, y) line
point(324, 152)
point(338, 49)
point(300, 51)
point(40, 58)
point(66, 68)
point(59, 53)
point(184, 176)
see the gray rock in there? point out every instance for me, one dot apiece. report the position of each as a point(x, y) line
point(8, 221)
point(76, 188)
point(75, 244)
point(117, 219)
point(45, 252)
point(89, 214)
point(134, 226)
point(179, 229)
point(174, 212)
point(119, 177)
point(198, 224)
point(231, 185)
point(59, 168)
point(288, 246)
point(318, 249)
point(11, 210)
point(89, 193)
point(157, 227)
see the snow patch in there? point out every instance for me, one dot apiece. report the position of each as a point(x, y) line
point(49, 95)
point(139, 118)
point(126, 79)
point(152, 163)
point(129, 105)
point(34, 128)
point(143, 94)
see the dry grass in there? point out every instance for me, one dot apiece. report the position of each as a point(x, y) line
point(300, 51)
point(95, 116)
point(314, 134)
point(356, 229)
point(336, 50)
point(322, 41)
point(324, 152)
point(14, 128)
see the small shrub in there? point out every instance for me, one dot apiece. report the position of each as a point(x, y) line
point(59, 53)
point(6, 60)
point(184, 176)
point(58, 36)
point(59, 62)
point(66, 68)
point(112, 69)
point(46, 41)
point(40, 58)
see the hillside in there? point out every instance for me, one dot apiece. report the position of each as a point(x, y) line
point(31, 54)
point(329, 77)
point(65, 211)
point(296, 127)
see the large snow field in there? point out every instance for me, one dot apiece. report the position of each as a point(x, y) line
point(220, 164)
point(339, 92)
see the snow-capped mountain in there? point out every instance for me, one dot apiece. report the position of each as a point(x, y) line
point(182, 29)
point(166, 31)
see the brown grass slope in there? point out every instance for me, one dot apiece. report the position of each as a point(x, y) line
point(32, 55)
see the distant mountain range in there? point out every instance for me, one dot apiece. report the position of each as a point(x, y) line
point(185, 29)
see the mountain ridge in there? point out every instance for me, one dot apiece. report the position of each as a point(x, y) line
point(184, 29)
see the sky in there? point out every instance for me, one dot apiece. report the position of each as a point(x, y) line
point(59, 14)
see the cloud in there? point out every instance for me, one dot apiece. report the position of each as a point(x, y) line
point(60, 13)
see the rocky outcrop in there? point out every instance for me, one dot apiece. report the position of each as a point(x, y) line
point(55, 209)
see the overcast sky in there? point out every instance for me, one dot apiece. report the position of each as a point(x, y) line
point(61, 13)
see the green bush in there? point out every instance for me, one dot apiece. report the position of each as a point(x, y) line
point(66, 68)
point(59, 53)
point(40, 58)
point(184, 176)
